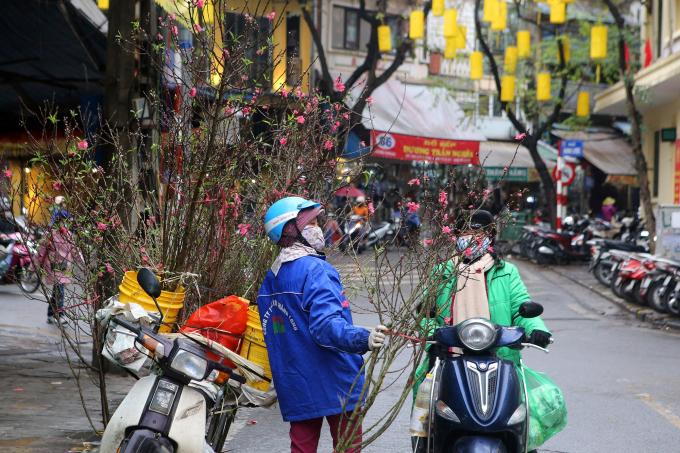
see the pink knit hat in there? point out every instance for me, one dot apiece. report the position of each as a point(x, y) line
point(292, 229)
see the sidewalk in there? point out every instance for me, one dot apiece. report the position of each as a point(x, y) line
point(40, 401)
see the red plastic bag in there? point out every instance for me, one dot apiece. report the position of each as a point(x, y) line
point(223, 321)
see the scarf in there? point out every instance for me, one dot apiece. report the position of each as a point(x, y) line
point(295, 251)
point(470, 299)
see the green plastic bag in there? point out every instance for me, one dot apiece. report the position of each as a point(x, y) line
point(547, 410)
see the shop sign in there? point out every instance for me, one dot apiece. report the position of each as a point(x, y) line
point(572, 148)
point(435, 150)
point(515, 174)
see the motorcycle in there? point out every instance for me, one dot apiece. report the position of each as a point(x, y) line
point(602, 262)
point(477, 401)
point(185, 406)
point(569, 245)
point(655, 284)
point(382, 233)
point(629, 276)
point(20, 267)
point(354, 234)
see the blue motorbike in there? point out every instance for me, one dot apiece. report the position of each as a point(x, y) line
point(477, 401)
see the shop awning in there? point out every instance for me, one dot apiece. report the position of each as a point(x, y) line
point(419, 111)
point(608, 151)
point(495, 156)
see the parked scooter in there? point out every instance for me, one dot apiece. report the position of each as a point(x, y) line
point(602, 262)
point(629, 276)
point(380, 234)
point(20, 267)
point(171, 411)
point(563, 247)
point(354, 234)
point(477, 401)
point(656, 282)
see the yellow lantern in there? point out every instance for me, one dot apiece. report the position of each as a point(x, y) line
point(476, 65)
point(490, 10)
point(598, 42)
point(416, 25)
point(543, 86)
point(583, 104)
point(510, 60)
point(523, 44)
point(500, 20)
point(438, 7)
point(450, 48)
point(450, 18)
point(103, 4)
point(461, 37)
point(558, 12)
point(384, 38)
point(508, 88)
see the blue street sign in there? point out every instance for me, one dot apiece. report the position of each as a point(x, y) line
point(572, 148)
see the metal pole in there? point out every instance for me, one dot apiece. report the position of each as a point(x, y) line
point(560, 197)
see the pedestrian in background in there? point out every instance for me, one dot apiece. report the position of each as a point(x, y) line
point(314, 349)
point(608, 209)
point(56, 258)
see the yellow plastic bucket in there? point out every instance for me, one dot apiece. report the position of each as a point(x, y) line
point(171, 302)
point(254, 348)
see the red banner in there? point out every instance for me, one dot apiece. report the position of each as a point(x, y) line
point(676, 176)
point(436, 150)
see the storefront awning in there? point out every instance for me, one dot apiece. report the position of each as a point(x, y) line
point(608, 151)
point(419, 111)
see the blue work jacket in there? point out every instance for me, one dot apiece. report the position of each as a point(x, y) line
point(314, 350)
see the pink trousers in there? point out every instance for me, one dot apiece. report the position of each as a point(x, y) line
point(304, 435)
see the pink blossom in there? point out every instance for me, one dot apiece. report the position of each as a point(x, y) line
point(271, 16)
point(284, 92)
point(414, 182)
point(246, 110)
point(427, 242)
point(225, 53)
point(244, 228)
point(192, 92)
point(198, 28)
point(520, 136)
point(8, 173)
point(200, 3)
point(371, 208)
point(328, 144)
point(174, 30)
point(486, 192)
point(446, 230)
point(82, 145)
point(159, 37)
point(101, 226)
point(413, 207)
point(300, 119)
point(109, 268)
point(283, 141)
point(443, 198)
point(299, 93)
point(505, 169)
point(468, 252)
point(229, 111)
point(338, 85)
point(172, 17)
point(369, 100)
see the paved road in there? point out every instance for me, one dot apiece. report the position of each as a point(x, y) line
point(620, 378)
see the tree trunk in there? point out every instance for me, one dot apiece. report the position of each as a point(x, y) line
point(635, 116)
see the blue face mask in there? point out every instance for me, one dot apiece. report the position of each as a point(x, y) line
point(471, 247)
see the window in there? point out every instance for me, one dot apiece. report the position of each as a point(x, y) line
point(256, 36)
point(483, 105)
point(352, 33)
point(657, 148)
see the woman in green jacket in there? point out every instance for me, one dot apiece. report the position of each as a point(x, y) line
point(464, 294)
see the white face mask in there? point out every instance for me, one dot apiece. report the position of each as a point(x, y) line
point(313, 234)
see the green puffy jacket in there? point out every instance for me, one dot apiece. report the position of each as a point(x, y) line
point(506, 292)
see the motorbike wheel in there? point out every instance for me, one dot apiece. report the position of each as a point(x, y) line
point(603, 272)
point(673, 303)
point(654, 298)
point(28, 280)
point(617, 286)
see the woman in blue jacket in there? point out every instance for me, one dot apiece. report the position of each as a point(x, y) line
point(314, 349)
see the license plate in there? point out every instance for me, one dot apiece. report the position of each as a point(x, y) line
point(163, 397)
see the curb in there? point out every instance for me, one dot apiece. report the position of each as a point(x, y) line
point(648, 315)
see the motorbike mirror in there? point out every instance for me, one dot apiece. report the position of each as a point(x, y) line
point(149, 283)
point(530, 310)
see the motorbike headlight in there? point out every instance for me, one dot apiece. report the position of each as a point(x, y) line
point(189, 364)
point(477, 334)
point(519, 415)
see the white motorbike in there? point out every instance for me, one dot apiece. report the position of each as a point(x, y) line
point(187, 407)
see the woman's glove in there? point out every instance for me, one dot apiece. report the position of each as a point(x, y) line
point(376, 338)
point(539, 338)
